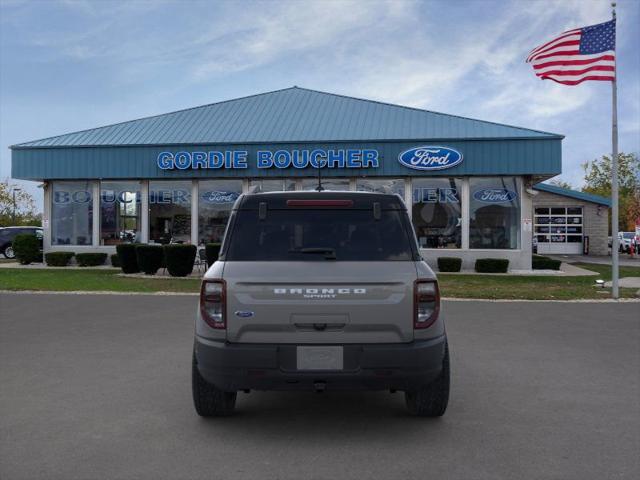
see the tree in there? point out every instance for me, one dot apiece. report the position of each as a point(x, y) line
point(597, 179)
point(558, 182)
point(25, 207)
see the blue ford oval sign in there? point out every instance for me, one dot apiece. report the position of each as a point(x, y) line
point(495, 195)
point(430, 158)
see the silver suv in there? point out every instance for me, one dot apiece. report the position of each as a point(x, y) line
point(320, 291)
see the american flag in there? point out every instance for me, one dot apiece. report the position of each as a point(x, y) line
point(587, 53)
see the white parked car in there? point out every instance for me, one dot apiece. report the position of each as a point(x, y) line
point(625, 239)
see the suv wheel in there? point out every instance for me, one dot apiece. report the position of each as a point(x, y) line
point(8, 252)
point(432, 400)
point(208, 400)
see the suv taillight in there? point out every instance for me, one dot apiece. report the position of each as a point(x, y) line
point(213, 303)
point(426, 303)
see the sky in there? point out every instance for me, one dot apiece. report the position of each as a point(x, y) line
point(72, 65)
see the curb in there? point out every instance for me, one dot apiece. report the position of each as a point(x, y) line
point(97, 292)
point(195, 294)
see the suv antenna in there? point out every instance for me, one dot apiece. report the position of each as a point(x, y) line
point(319, 188)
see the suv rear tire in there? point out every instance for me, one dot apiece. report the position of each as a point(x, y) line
point(432, 400)
point(209, 400)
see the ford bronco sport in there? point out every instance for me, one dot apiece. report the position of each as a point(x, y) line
point(320, 291)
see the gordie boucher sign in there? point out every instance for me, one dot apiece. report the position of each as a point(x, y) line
point(417, 158)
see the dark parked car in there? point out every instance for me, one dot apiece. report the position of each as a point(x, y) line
point(7, 234)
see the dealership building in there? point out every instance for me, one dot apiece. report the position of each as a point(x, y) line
point(473, 186)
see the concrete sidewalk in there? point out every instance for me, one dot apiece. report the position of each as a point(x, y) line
point(624, 259)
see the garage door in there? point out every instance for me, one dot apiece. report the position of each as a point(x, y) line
point(558, 229)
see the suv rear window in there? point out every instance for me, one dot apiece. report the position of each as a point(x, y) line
point(315, 234)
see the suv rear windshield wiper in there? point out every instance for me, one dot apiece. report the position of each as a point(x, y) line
point(329, 253)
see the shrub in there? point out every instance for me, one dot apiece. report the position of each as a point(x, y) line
point(127, 257)
point(115, 260)
point(149, 258)
point(179, 259)
point(58, 259)
point(212, 251)
point(545, 263)
point(27, 248)
point(449, 264)
point(492, 265)
point(90, 259)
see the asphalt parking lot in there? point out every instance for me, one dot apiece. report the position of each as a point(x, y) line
point(99, 387)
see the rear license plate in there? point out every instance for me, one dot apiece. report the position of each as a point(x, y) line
point(319, 358)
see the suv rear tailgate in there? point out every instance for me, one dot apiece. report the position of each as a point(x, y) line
point(337, 302)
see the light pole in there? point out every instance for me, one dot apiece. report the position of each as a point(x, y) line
point(14, 203)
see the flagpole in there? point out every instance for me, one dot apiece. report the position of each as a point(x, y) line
point(614, 177)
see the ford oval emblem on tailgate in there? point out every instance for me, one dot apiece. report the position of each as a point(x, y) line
point(244, 314)
point(430, 158)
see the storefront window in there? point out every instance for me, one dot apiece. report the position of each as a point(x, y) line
point(381, 185)
point(170, 212)
point(72, 213)
point(310, 184)
point(272, 185)
point(437, 212)
point(119, 212)
point(494, 213)
point(216, 199)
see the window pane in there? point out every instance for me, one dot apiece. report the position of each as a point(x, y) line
point(312, 235)
point(542, 211)
point(494, 213)
point(571, 229)
point(214, 206)
point(381, 185)
point(309, 184)
point(119, 212)
point(574, 220)
point(542, 229)
point(574, 238)
point(436, 212)
point(170, 211)
point(558, 211)
point(542, 220)
point(543, 238)
point(72, 213)
point(574, 211)
point(266, 185)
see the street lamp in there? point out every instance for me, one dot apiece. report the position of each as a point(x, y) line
point(14, 203)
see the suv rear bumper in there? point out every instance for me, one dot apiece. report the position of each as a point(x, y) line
point(403, 366)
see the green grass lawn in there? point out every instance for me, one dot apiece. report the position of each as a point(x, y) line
point(460, 286)
point(534, 287)
point(89, 280)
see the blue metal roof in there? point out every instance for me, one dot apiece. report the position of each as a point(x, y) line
point(565, 192)
point(292, 115)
